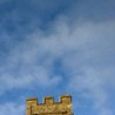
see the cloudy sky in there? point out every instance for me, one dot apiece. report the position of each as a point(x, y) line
point(58, 47)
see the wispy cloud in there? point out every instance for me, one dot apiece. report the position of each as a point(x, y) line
point(84, 48)
point(12, 109)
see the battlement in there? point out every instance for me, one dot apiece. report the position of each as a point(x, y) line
point(49, 106)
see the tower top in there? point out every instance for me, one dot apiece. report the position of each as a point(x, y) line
point(49, 106)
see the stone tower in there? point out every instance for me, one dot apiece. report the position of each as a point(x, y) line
point(49, 106)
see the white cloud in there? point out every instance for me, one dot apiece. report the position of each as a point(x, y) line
point(91, 84)
point(91, 65)
point(39, 76)
point(86, 48)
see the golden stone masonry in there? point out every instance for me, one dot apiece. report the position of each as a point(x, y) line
point(49, 106)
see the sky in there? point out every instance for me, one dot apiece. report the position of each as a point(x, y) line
point(54, 48)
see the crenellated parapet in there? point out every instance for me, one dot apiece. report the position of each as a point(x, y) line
point(49, 106)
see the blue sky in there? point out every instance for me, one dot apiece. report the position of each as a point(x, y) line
point(58, 47)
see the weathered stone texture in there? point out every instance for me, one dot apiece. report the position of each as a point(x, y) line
point(49, 106)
